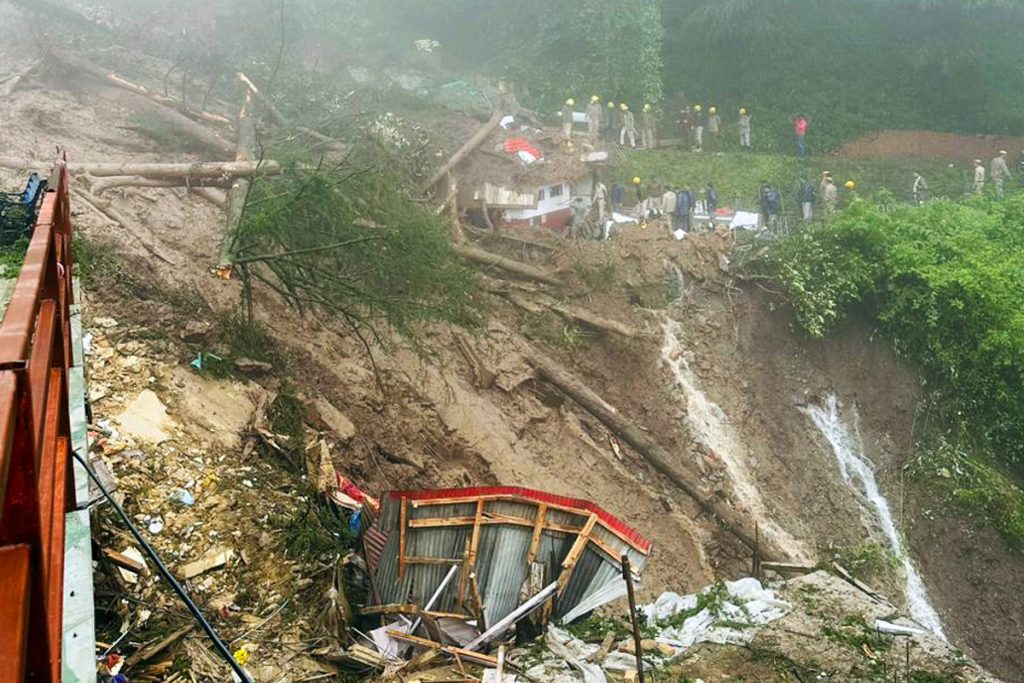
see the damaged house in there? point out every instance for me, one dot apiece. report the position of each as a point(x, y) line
point(465, 565)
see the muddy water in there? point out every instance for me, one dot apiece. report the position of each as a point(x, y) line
point(859, 475)
point(710, 426)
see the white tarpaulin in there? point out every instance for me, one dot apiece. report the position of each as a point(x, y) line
point(745, 219)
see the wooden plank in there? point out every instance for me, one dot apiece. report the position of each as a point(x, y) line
point(432, 560)
point(575, 553)
point(538, 530)
point(474, 546)
point(489, 519)
point(409, 609)
point(14, 608)
point(402, 521)
point(453, 651)
point(124, 561)
point(459, 500)
point(788, 568)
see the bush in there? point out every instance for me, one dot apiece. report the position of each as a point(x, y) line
point(943, 282)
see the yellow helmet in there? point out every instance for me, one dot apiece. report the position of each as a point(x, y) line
point(850, 185)
point(595, 98)
point(696, 107)
point(570, 101)
point(611, 105)
point(636, 180)
point(623, 106)
point(647, 107)
point(713, 110)
point(743, 112)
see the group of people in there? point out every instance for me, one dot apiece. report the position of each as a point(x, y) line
point(999, 172)
point(616, 122)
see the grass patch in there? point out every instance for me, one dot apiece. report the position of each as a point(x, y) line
point(249, 339)
point(554, 333)
point(12, 256)
point(854, 633)
point(737, 176)
point(600, 276)
point(867, 561)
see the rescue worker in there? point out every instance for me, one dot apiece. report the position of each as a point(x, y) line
point(744, 129)
point(686, 128)
point(979, 176)
point(594, 119)
point(684, 209)
point(641, 199)
point(567, 112)
point(1000, 172)
point(825, 175)
point(711, 204)
point(628, 126)
point(714, 124)
point(830, 195)
point(618, 196)
point(800, 124)
point(920, 189)
point(647, 123)
point(578, 226)
point(806, 197)
point(601, 200)
point(611, 122)
point(698, 127)
point(668, 207)
point(654, 198)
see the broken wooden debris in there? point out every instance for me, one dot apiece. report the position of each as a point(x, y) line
point(281, 121)
point(471, 144)
point(461, 653)
point(123, 561)
point(151, 651)
point(239, 191)
point(213, 560)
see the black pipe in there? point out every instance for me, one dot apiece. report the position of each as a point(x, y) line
point(218, 644)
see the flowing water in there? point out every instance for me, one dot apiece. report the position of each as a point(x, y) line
point(710, 426)
point(859, 474)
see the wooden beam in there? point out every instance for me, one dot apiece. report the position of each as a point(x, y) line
point(447, 561)
point(538, 530)
point(402, 521)
point(453, 651)
point(575, 553)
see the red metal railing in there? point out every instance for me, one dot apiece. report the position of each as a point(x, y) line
point(36, 488)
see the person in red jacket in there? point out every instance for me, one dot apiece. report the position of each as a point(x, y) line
point(800, 124)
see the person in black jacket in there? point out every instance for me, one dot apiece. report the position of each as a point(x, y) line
point(711, 202)
point(684, 209)
point(805, 195)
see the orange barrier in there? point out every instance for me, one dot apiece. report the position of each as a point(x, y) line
point(36, 488)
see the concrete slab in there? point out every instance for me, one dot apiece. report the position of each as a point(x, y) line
point(79, 662)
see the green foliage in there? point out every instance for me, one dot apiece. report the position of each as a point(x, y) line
point(249, 339)
point(867, 561)
point(855, 633)
point(975, 487)
point(597, 276)
point(351, 242)
point(944, 283)
point(594, 629)
point(12, 256)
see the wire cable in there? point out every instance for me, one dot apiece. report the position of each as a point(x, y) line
point(178, 588)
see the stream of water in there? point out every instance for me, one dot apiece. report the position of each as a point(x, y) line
point(859, 474)
point(710, 426)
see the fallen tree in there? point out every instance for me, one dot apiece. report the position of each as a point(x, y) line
point(105, 209)
point(77, 63)
point(280, 120)
point(208, 190)
point(506, 264)
point(195, 171)
point(664, 462)
point(475, 141)
point(238, 194)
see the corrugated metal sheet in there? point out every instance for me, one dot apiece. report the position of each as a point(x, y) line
point(501, 563)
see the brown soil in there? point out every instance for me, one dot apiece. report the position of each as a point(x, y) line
point(924, 144)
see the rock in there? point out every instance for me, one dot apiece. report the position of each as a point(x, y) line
point(325, 414)
point(196, 331)
point(105, 323)
point(146, 419)
point(648, 645)
point(252, 367)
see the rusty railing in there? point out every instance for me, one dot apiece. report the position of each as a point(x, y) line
point(36, 488)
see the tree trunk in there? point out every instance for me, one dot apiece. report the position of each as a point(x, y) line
point(489, 259)
point(282, 122)
point(239, 192)
point(211, 170)
point(79, 64)
point(103, 184)
point(731, 520)
point(467, 149)
point(115, 216)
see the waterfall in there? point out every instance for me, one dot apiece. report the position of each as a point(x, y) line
point(710, 426)
point(858, 473)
